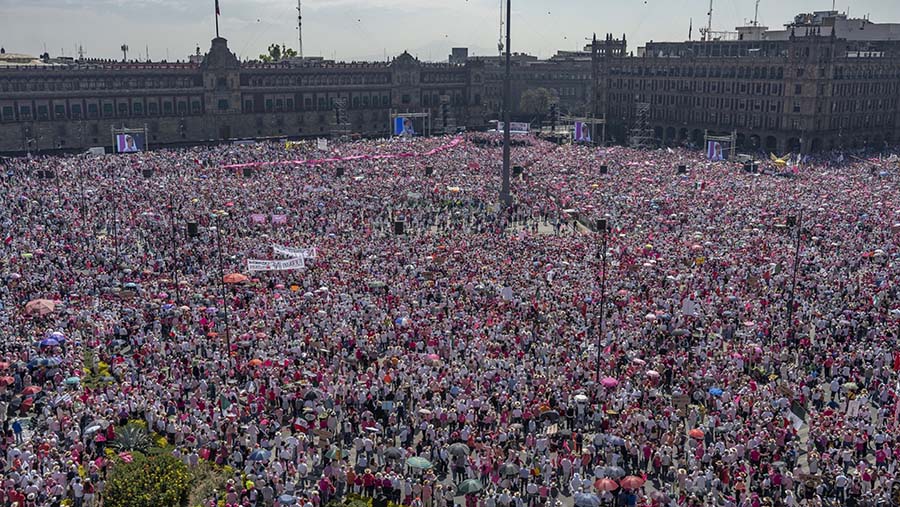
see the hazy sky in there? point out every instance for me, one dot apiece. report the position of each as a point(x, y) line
point(371, 29)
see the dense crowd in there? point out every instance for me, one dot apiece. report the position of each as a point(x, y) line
point(746, 354)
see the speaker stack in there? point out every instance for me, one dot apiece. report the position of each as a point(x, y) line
point(682, 169)
point(604, 169)
point(429, 170)
point(518, 170)
point(147, 172)
point(399, 227)
point(192, 229)
point(248, 172)
point(339, 172)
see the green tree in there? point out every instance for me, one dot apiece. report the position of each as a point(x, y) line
point(278, 53)
point(537, 101)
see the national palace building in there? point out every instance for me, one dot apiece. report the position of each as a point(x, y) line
point(825, 81)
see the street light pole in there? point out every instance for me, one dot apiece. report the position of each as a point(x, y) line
point(603, 225)
point(116, 231)
point(790, 308)
point(175, 251)
point(222, 282)
point(505, 197)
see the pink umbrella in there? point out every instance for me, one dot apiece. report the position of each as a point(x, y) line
point(653, 374)
point(609, 382)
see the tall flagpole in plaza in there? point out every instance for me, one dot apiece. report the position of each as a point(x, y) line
point(218, 12)
point(505, 197)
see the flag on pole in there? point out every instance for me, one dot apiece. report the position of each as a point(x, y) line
point(690, 28)
point(218, 12)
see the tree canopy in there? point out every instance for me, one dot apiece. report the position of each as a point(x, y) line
point(278, 53)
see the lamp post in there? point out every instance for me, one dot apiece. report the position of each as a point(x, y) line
point(505, 197)
point(791, 221)
point(174, 250)
point(222, 282)
point(116, 231)
point(601, 224)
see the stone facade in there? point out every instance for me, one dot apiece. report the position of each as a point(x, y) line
point(75, 106)
point(808, 91)
point(568, 73)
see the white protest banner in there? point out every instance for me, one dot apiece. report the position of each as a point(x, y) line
point(256, 265)
point(305, 253)
point(322, 144)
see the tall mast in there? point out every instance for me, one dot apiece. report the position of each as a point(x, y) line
point(300, 27)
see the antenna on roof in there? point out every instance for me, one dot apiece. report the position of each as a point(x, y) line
point(756, 14)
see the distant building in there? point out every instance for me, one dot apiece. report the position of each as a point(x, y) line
point(459, 56)
point(75, 104)
point(824, 82)
point(567, 74)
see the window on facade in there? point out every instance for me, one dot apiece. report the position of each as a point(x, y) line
point(289, 104)
point(153, 108)
point(405, 99)
point(195, 107)
point(8, 113)
point(223, 105)
point(59, 111)
point(796, 107)
point(92, 110)
point(43, 113)
point(270, 105)
point(798, 89)
point(138, 109)
point(167, 108)
point(108, 110)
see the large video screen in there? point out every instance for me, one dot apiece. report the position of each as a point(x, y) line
point(130, 143)
point(407, 126)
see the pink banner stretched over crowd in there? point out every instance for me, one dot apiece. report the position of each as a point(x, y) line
point(319, 161)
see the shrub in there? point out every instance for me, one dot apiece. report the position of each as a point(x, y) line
point(207, 478)
point(155, 481)
point(132, 438)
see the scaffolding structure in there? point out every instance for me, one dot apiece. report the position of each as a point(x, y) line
point(342, 126)
point(642, 135)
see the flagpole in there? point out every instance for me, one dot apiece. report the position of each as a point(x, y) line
point(217, 19)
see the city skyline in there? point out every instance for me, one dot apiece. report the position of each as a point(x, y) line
point(371, 30)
